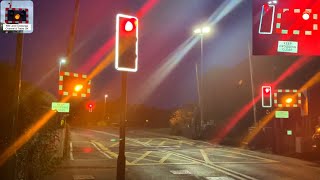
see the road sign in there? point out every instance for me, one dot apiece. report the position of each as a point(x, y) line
point(74, 84)
point(282, 114)
point(60, 107)
point(16, 16)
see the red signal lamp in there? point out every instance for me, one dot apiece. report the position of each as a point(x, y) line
point(266, 90)
point(266, 97)
point(130, 24)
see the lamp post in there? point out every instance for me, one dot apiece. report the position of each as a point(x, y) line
point(62, 61)
point(201, 32)
point(105, 105)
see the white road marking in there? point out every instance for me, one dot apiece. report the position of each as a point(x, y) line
point(227, 171)
point(219, 178)
point(101, 150)
point(182, 171)
point(71, 152)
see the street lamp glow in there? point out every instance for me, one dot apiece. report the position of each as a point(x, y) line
point(202, 30)
point(106, 95)
point(63, 60)
point(78, 87)
point(197, 31)
point(205, 29)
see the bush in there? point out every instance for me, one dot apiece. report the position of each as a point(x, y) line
point(37, 156)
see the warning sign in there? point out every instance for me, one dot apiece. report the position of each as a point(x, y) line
point(288, 46)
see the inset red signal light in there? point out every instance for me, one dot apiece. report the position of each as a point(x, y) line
point(267, 90)
point(266, 96)
point(129, 25)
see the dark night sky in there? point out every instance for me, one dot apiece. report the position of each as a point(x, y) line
point(162, 30)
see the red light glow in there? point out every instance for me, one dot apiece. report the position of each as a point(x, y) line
point(87, 150)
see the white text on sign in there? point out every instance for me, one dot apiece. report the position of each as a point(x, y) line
point(288, 46)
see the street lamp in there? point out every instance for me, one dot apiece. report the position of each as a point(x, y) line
point(62, 61)
point(201, 32)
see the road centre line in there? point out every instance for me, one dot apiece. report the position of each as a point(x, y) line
point(141, 157)
point(101, 150)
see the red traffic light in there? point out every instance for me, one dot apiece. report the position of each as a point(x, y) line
point(266, 90)
point(126, 52)
point(266, 96)
point(90, 105)
point(130, 25)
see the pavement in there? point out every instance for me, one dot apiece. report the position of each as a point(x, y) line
point(156, 155)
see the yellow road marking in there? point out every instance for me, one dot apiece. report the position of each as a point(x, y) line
point(155, 156)
point(244, 154)
point(136, 141)
point(145, 159)
point(230, 156)
point(107, 150)
point(205, 156)
point(162, 143)
point(147, 164)
point(114, 144)
point(227, 171)
point(141, 157)
point(165, 157)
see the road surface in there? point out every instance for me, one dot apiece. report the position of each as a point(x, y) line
point(155, 156)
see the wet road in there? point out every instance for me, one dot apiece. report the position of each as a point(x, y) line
point(156, 156)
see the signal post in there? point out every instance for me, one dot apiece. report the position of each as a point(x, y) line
point(126, 60)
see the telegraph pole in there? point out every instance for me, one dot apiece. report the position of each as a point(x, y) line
point(73, 30)
point(252, 87)
point(17, 90)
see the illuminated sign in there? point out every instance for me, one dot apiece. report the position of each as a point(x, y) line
point(282, 114)
point(16, 16)
point(60, 107)
point(286, 27)
point(74, 84)
point(287, 98)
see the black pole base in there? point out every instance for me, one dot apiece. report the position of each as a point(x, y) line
point(121, 167)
